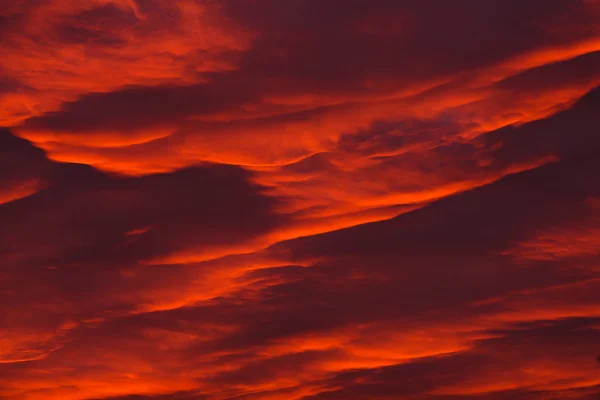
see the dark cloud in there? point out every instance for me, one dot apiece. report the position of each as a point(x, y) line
point(406, 41)
point(569, 134)
point(97, 27)
point(173, 396)
point(216, 199)
point(279, 74)
point(511, 354)
point(136, 107)
point(74, 241)
point(19, 161)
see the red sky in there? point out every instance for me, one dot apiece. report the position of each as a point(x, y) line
point(299, 199)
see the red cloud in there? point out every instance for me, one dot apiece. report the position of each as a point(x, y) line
point(299, 200)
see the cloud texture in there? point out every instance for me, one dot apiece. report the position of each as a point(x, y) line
point(299, 200)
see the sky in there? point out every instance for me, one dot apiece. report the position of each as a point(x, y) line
point(299, 199)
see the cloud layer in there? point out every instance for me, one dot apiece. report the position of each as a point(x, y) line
point(261, 200)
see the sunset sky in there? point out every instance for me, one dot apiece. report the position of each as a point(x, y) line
point(299, 199)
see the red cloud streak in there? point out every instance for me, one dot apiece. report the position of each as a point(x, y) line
point(299, 200)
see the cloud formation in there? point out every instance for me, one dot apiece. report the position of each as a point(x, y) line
point(300, 200)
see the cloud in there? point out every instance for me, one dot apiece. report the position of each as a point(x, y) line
point(277, 103)
point(24, 167)
point(405, 296)
point(490, 370)
point(267, 200)
point(84, 234)
point(70, 48)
